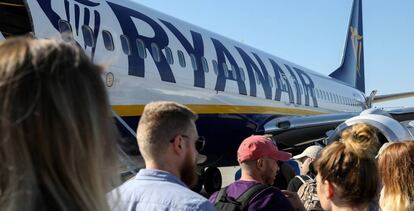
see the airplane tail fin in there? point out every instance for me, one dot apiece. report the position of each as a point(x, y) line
point(351, 70)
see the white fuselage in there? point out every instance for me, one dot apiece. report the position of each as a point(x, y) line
point(219, 75)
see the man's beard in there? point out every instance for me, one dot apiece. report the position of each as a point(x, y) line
point(269, 177)
point(268, 180)
point(188, 171)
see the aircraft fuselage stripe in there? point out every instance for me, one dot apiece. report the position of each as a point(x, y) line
point(136, 110)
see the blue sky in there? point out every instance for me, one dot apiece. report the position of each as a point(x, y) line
point(312, 33)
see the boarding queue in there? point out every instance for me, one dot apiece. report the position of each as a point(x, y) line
point(58, 150)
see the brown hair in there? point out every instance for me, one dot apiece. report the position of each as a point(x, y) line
point(160, 122)
point(56, 131)
point(396, 167)
point(346, 164)
point(362, 138)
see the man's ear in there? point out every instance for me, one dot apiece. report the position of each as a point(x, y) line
point(177, 144)
point(259, 163)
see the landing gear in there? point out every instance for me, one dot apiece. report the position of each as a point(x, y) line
point(212, 180)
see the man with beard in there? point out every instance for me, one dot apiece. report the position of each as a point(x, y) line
point(258, 158)
point(168, 141)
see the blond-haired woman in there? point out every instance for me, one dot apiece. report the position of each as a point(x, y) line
point(396, 167)
point(56, 132)
point(363, 138)
point(347, 176)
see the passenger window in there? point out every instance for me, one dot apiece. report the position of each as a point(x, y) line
point(168, 55)
point(233, 70)
point(181, 58)
point(226, 70)
point(243, 77)
point(88, 36)
point(274, 81)
point(107, 40)
point(155, 52)
point(204, 64)
point(126, 48)
point(142, 53)
point(215, 67)
point(257, 78)
point(193, 61)
point(65, 30)
point(280, 82)
point(269, 78)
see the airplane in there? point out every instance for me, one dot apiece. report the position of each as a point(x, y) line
point(236, 90)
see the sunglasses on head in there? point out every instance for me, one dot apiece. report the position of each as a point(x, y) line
point(199, 142)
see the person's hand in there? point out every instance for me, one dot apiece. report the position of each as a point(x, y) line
point(294, 200)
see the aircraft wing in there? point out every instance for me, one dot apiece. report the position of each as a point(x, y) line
point(402, 114)
point(297, 131)
point(383, 98)
point(292, 131)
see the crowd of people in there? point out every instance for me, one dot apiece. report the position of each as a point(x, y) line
point(58, 150)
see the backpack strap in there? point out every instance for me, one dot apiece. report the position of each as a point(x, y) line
point(221, 193)
point(301, 179)
point(309, 178)
point(248, 195)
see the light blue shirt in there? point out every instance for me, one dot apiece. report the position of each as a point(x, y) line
point(156, 190)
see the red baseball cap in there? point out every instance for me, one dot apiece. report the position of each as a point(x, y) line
point(255, 147)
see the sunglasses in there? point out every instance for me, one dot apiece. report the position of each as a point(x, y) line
point(199, 142)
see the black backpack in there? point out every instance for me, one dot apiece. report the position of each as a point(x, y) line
point(225, 202)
